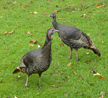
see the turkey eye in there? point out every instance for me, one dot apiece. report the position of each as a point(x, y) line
point(52, 30)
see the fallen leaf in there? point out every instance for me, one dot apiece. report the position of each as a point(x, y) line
point(83, 15)
point(18, 21)
point(102, 42)
point(73, 11)
point(59, 38)
point(89, 63)
point(91, 84)
point(35, 12)
point(41, 38)
point(19, 76)
point(58, 63)
point(11, 32)
point(72, 66)
point(34, 41)
point(90, 11)
point(98, 6)
point(31, 44)
point(48, 0)
point(101, 96)
point(75, 73)
point(83, 77)
point(53, 85)
point(76, 91)
point(39, 45)
point(93, 70)
point(5, 7)
point(56, 11)
point(60, 18)
point(5, 32)
point(57, 6)
point(62, 44)
point(69, 64)
point(97, 74)
point(102, 93)
point(14, 3)
point(66, 95)
point(31, 35)
point(28, 32)
point(87, 52)
point(88, 34)
point(57, 81)
point(6, 48)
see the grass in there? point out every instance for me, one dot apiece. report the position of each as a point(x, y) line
point(60, 80)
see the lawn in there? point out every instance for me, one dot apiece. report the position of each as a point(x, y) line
point(22, 21)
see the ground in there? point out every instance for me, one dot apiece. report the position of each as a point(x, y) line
point(25, 20)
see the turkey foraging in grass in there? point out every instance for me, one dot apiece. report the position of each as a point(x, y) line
point(74, 37)
point(38, 60)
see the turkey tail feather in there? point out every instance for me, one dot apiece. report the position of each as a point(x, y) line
point(96, 51)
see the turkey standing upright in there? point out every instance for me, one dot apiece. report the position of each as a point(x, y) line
point(38, 60)
point(74, 37)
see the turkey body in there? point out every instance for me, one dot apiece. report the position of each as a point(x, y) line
point(74, 37)
point(38, 60)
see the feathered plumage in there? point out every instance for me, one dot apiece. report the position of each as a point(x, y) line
point(38, 60)
point(74, 37)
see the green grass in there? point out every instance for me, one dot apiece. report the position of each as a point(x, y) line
point(17, 17)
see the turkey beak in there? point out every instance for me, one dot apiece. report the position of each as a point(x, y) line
point(50, 15)
point(56, 30)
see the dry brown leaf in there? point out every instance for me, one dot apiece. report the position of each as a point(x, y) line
point(89, 63)
point(76, 91)
point(69, 64)
point(31, 44)
point(18, 21)
point(83, 77)
point(39, 45)
point(41, 38)
point(101, 96)
point(28, 32)
point(11, 32)
point(102, 93)
point(34, 41)
point(5, 32)
point(83, 15)
point(59, 38)
point(56, 11)
point(6, 48)
point(5, 7)
point(57, 81)
point(58, 63)
point(60, 18)
point(98, 6)
point(97, 74)
point(66, 95)
point(14, 3)
point(31, 35)
point(48, 0)
point(75, 73)
point(53, 85)
point(62, 44)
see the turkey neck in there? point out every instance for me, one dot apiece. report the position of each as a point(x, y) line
point(47, 46)
point(55, 24)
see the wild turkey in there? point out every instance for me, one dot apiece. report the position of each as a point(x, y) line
point(38, 60)
point(74, 37)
